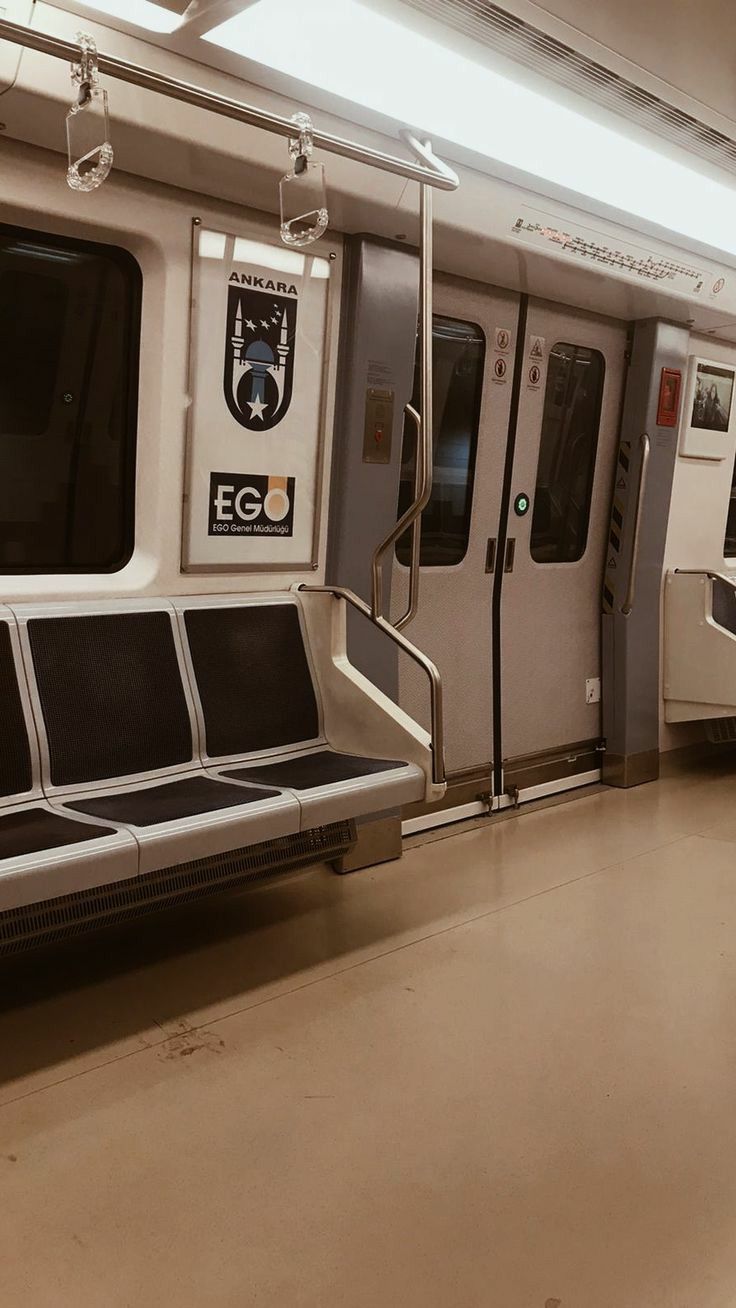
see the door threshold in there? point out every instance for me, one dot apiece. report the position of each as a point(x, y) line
point(479, 808)
point(546, 788)
point(443, 816)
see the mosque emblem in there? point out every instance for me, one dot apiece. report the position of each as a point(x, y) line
point(259, 356)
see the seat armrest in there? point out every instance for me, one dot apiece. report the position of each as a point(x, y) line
point(358, 718)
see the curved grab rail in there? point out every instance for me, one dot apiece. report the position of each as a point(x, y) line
point(447, 178)
point(412, 517)
point(628, 603)
point(422, 493)
point(437, 731)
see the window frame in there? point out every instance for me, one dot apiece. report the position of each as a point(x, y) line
point(133, 276)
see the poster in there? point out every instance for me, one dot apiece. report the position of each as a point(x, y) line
point(258, 343)
point(708, 410)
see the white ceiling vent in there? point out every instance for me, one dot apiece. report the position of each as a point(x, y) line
point(490, 26)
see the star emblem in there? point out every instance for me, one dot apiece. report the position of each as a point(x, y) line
point(256, 408)
point(250, 325)
point(264, 323)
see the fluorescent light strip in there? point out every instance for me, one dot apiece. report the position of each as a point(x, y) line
point(271, 256)
point(361, 55)
point(275, 256)
point(213, 245)
point(141, 12)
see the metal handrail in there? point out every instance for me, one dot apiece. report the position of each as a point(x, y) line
point(433, 171)
point(423, 420)
point(416, 528)
point(437, 731)
point(412, 517)
point(628, 603)
point(729, 578)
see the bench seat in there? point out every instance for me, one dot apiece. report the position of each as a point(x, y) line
point(196, 816)
point(332, 785)
point(118, 736)
point(40, 848)
point(204, 737)
point(171, 802)
point(261, 689)
point(36, 829)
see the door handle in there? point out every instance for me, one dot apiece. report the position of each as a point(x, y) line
point(508, 563)
point(491, 554)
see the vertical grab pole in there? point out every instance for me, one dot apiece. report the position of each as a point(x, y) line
point(425, 454)
point(425, 398)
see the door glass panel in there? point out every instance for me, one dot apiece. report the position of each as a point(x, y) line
point(69, 334)
point(567, 448)
point(729, 544)
point(458, 352)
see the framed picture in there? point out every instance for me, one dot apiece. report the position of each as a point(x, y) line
point(708, 411)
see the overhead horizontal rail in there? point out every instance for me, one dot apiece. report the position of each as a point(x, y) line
point(431, 172)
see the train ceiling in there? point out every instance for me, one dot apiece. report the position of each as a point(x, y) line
point(491, 90)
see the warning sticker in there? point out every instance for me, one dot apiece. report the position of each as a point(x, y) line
point(503, 338)
point(536, 347)
point(499, 369)
point(535, 372)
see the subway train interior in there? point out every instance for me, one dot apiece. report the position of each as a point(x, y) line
point(368, 653)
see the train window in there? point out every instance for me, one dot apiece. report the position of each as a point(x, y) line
point(567, 449)
point(69, 336)
point(458, 352)
point(729, 544)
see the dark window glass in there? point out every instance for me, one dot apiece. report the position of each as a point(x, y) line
point(567, 447)
point(729, 545)
point(457, 355)
point(69, 336)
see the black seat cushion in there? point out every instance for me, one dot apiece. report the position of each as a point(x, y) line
point(111, 693)
point(15, 754)
point(325, 768)
point(35, 829)
point(170, 802)
point(253, 677)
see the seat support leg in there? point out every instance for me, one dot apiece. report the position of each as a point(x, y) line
point(379, 841)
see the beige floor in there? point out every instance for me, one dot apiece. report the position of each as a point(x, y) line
point(501, 1073)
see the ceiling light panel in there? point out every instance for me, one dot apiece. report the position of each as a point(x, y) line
point(367, 58)
point(164, 17)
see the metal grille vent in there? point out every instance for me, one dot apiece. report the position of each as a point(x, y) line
point(84, 910)
point(490, 26)
point(721, 731)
